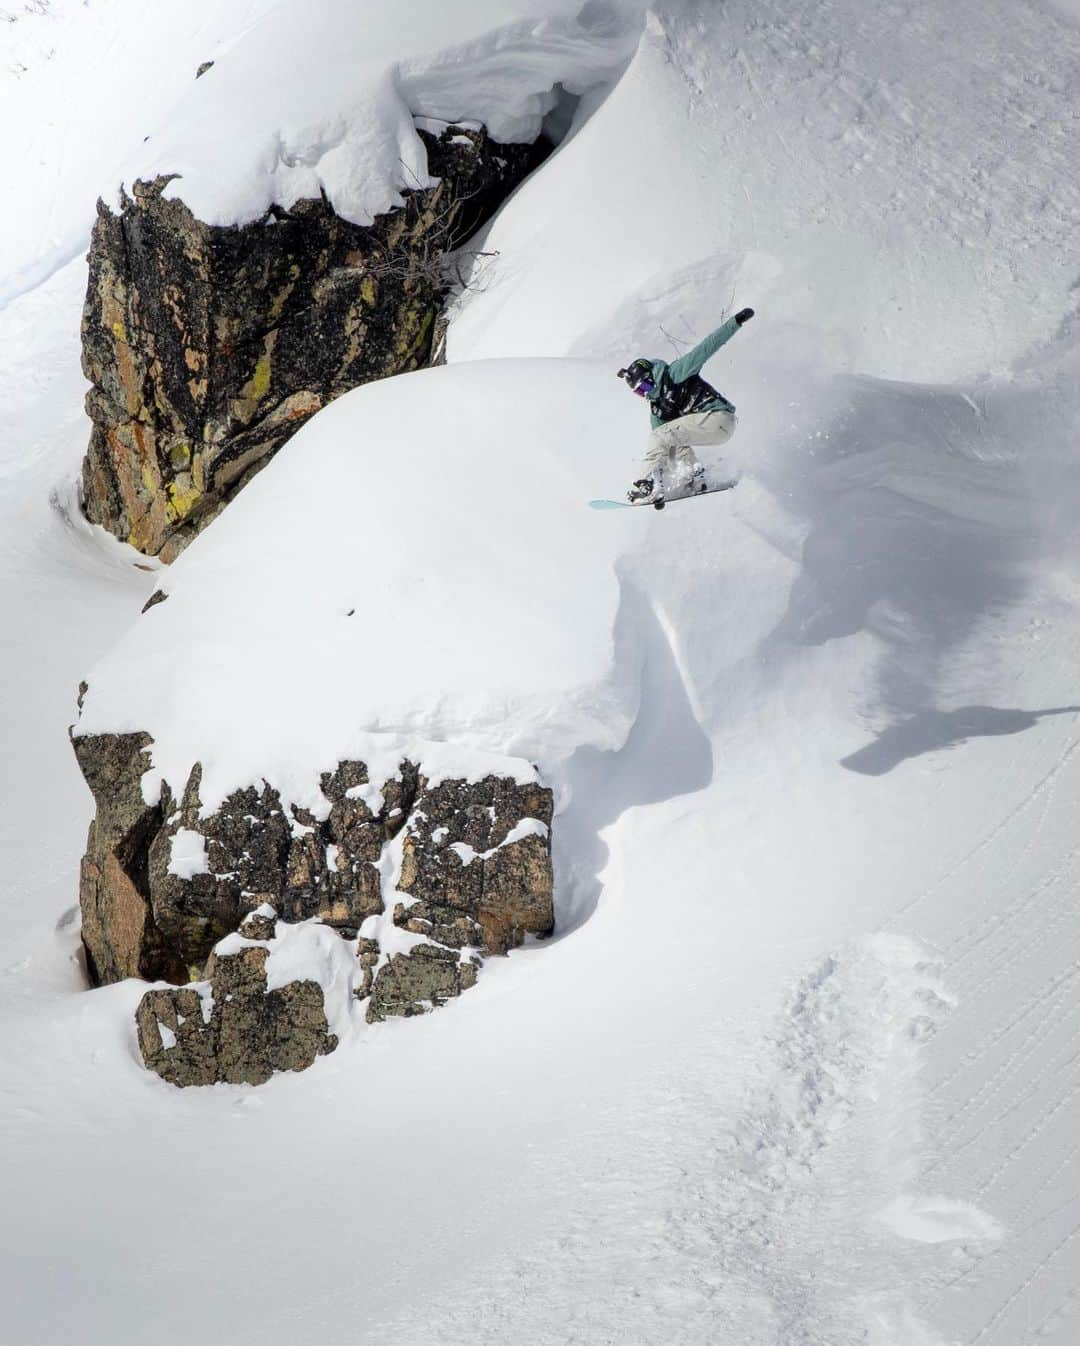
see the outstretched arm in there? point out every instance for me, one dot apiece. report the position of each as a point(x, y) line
point(692, 361)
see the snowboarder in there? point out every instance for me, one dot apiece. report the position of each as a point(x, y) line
point(686, 411)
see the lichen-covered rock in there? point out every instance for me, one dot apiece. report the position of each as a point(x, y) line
point(233, 1030)
point(162, 884)
point(367, 958)
point(477, 864)
point(332, 867)
point(148, 914)
point(207, 347)
point(417, 982)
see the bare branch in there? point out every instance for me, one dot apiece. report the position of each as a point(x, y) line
point(674, 340)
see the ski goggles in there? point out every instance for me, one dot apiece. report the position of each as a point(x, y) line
point(639, 379)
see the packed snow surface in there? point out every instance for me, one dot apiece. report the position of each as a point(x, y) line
point(801, 1065)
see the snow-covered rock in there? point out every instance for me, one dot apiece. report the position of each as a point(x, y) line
point(320, 100)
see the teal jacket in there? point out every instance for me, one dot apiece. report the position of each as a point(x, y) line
point(690, 364)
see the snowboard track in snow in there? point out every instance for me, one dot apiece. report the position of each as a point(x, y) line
point(777, 1231)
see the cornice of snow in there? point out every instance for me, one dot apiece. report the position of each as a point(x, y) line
point(321, 101)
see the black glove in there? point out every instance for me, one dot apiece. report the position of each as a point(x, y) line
point(744, 315)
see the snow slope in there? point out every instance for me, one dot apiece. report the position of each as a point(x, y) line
point(66, 593)
point(801, 1064)
point(896, 179)
point(84, 84)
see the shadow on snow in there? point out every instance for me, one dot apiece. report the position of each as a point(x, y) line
point(666, 754)
point(934, 730)
point(928, 510)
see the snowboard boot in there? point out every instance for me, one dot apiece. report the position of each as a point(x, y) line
point(642, 489)
point(697, 480)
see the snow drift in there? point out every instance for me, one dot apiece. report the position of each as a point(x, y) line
point(413, 567)
point(343, 125)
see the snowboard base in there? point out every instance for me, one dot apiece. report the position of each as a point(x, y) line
point(679, 493)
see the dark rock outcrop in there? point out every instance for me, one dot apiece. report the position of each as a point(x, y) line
point(233, 1030)
point(207, 347)
point(415, 982)
point(120, 935)
point(469, 883)
point(301, 865)
point(161, 886)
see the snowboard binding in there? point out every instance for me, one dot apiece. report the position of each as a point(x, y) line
point(641, 490)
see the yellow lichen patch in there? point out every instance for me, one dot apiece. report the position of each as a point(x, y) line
point(119, 331)
point(151, 480)
point(183, 496)
point(141, 535)
point(415, 334)
point(337, 910)
point(180, 456)
point(368, 291)
point(245, 406)
point(259, 384)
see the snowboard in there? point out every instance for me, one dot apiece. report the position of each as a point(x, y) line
point(679, 493)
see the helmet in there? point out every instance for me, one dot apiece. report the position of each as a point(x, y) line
point(638, 376)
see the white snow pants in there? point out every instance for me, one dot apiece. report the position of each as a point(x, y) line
point(673, 443)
